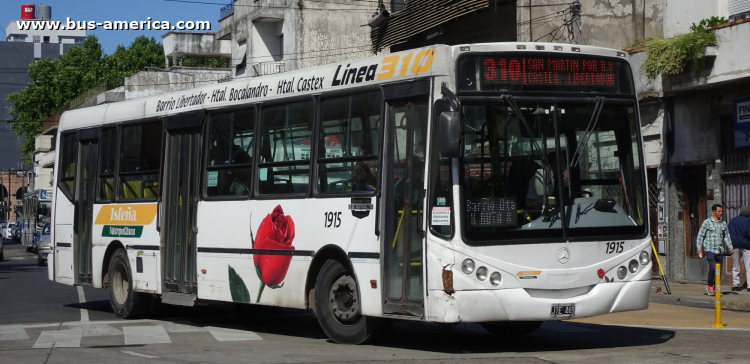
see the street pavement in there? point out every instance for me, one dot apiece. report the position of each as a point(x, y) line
point(44, 322)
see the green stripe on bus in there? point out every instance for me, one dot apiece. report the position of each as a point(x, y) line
point(118, 231)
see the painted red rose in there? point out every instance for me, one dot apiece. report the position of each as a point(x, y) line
point(276, 232)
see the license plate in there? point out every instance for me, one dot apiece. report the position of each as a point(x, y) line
point(563, 310)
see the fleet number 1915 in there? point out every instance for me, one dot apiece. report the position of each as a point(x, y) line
point(614, 247)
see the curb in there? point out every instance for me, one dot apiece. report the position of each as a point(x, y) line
point(695, 302)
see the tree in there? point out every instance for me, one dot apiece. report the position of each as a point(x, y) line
point(57, 82)
point(124, 62)
point(203, 62)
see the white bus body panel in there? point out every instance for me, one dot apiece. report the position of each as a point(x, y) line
point(132, 235)
point(63, 233)
point(233, 225)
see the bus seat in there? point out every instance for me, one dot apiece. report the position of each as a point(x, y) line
point(132, 189)
point(107, 188)
point(151, 190)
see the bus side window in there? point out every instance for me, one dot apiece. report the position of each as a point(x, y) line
point(108, 155)
point(284, 166)
point(229, 170)
point(440, 186)
point(140, 156)
point(68, 159)
point(349, 133)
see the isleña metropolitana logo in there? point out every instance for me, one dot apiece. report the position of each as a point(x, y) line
point(125, 220)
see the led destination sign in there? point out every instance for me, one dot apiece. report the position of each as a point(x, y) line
point(530, 72)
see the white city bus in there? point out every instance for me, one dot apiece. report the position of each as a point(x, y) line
point(501, 184)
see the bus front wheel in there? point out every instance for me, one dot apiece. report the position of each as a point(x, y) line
point(512, 328)
point(337, 306)
point(126, 303)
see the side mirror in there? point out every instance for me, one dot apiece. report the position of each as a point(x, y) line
point(450, 134)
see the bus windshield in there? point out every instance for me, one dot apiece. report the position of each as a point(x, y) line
point(516, 177)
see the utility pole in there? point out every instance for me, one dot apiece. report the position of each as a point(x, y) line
point(575, 9)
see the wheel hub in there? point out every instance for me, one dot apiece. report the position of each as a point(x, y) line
point(343, 300)
point(120, 283)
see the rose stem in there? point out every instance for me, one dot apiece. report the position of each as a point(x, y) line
point(260, 291)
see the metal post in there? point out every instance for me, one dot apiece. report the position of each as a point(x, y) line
point(575, 8)
point(717, 300)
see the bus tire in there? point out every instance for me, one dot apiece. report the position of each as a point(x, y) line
point(512, 329)
point(125, 302)
point(338, 309)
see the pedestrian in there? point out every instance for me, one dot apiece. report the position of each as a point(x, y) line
point(713, 242)
point(739, 231)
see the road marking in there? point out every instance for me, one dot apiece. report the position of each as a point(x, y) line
point(222, 334)
point(82, 302)
point(180, 328)
point(133, 353)
point(75, 324)
point(100, 330)
point(13, 334)
point(59, 339)
point(141, 335)
point(19, 258)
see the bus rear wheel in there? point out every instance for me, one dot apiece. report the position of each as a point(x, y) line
point(126, 303)
point(337, 306)
point(512, 328)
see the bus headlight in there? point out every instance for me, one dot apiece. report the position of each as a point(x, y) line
point(633, 266)
point(496, 279)
point(482, 273)
point(468, 266)
point(622, 272)
point(645, 257)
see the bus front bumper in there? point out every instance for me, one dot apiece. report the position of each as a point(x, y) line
point(517, 305)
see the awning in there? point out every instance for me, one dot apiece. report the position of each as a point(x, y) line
point(420, 16)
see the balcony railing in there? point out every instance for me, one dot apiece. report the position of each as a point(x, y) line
point(226, 11)
point(96, 90)
point(267, 68)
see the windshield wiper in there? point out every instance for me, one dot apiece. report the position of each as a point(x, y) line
point(512, 104)
point(589, 130)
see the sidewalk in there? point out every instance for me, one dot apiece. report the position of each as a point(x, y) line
point(694, 295)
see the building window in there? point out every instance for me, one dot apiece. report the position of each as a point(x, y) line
point(37, 39)
point(18, 38)
point(397, 5)
point(79, 41)
point(46, 39)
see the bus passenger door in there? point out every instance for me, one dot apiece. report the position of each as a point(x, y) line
point(181, 180)
point(88, 152)
point(404, 164)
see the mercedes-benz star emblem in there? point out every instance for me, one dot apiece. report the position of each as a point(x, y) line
point(563, 255)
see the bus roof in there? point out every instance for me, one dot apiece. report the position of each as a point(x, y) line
point(381, 69)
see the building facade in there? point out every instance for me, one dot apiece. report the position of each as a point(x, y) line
point(272, 36)
point(21, 48)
